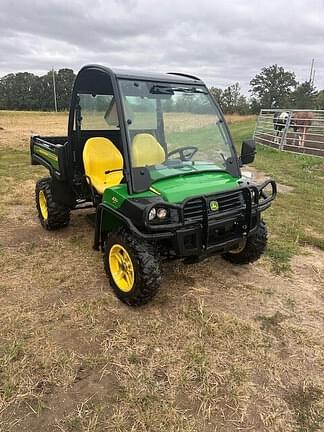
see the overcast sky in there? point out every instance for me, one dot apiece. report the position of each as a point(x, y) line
point(220, 41)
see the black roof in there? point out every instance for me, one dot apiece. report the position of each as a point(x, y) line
point(173, 77)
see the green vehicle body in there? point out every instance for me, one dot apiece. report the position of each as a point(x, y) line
point(208, 206)
point(174, 190)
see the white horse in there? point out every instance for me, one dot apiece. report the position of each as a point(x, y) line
point(279, 123)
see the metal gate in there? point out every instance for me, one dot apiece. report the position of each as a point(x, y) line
point(300, 131)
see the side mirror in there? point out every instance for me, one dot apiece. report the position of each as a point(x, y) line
point(248, 151)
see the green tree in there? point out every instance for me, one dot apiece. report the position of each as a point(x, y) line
point(217, 93)
point(18, 91)
point(230, 98)
point(273, 86)
point(45, 92)
point(26, 91)
point(304, 96)
point(64, 83)
point(255, 106)
point(6, 85)
point(320, 100)
point(242, 107)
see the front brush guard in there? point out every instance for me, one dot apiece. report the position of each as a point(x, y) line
point(265, 200)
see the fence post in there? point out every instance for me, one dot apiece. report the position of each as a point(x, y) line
point(257, 123)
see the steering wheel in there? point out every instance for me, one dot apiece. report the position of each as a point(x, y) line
point(185, 153)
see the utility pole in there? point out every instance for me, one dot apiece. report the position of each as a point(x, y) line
point(313, 79)
point(311, 71)
point(54, 89)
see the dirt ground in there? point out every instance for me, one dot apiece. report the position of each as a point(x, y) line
point(221, 348)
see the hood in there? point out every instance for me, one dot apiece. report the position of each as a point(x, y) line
point(178, 188)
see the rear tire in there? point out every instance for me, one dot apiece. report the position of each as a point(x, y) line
point(52, 215)
point(254, 247)
point(132, 267)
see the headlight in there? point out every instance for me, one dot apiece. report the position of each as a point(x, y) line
point(152, 214)
point(161, 213)
point(158, 213)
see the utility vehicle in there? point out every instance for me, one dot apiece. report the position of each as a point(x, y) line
point(153, 155)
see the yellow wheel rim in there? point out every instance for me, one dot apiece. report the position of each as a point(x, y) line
point(121, 268)
point(43, 204)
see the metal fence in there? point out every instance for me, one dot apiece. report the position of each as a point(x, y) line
point(300, 131)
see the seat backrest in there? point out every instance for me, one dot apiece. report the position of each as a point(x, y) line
point(146, 150)
point(100, 155)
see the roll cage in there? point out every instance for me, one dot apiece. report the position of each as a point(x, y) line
point(99, 80)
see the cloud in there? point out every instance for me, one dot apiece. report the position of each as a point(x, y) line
point(222, 42)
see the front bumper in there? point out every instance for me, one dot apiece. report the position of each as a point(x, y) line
point(224, 230)
point(210, 232)
point(218, 236)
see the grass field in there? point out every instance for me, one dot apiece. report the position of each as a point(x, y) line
point(221, 348)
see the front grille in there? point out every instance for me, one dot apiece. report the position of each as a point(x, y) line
point(194, 208)
point(230, 201)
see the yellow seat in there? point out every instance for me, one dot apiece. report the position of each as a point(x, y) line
point(100, 155)
point(146, 150)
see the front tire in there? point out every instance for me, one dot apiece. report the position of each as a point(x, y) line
point(254, 247)
point(132, 267)
point(52, 215)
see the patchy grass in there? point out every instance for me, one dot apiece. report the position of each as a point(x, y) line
point(304, 402)
point(221, 348)
point(296, 219)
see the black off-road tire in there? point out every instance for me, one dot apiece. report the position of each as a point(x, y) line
point(146, 263)
point(58, 214)
point(255, 246)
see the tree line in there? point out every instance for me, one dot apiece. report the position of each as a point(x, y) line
point(27, 91)
point(272, 87)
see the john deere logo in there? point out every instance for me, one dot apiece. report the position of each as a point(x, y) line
point(213, 205)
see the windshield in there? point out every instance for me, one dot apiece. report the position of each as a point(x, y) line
point(174, 129)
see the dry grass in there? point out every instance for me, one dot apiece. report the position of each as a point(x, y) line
point(180, 122)
point(17, 127)
point(221, 348)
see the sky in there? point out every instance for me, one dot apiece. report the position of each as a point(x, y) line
point(222, 42)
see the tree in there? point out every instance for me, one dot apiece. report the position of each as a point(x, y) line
point(64, 83)
point(255, 106)
point(320, 100)
point(18, 91)
point(304, 97)
point(217, 93)
point(45, 92)
point(26, 91)
point(230, 98)
point(243, 107)
point(273, 86)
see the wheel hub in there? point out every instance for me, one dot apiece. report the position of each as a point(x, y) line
point(240, 247)
point(121, 267)
point(43, 205)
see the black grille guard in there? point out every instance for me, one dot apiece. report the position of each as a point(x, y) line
point(264, 200)
point(252, 205)
point(255, 200)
